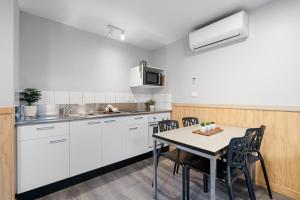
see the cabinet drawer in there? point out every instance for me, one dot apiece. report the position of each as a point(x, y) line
point(137, 119)
point(42, 130)
point(159, 117)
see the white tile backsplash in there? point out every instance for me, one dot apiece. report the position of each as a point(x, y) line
point(99, 97)
point(166, 98)
point(163, 106)
point(88, 97)
point(76, 98)
point(120, 98)
point(61, 97)
point(110, 98)
point(163, 101)
point(47, 97)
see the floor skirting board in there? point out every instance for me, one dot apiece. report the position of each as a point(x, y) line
point(279, 189)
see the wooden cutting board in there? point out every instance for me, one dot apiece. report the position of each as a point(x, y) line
point(208, 133)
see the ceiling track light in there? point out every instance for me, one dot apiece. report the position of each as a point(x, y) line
point(111, 28)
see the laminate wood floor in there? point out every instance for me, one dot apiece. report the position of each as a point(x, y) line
point(134, 183)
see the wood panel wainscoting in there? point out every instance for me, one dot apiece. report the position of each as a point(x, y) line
point(281, 143)
point(7, 152)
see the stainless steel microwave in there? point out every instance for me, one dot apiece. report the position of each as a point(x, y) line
point(152, 78)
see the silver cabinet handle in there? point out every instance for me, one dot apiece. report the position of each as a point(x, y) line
point(45, 128)
point(138, 117)
point(57, 141)
point(93, 123)
point(153, 125)
point(133, 128)
point(110, 121)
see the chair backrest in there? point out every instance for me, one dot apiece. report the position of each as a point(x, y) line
point(258, 134)
point(237, 151)
point(189, 121)
point(167, 125)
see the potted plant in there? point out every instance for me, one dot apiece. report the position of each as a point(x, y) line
point(150, 105)
point(208, 126)
point(213, 125)
point(203, 127)
point(30, 96)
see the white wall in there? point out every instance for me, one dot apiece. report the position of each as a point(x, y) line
point(8, 56)
point(264, 70)
point(58, 57)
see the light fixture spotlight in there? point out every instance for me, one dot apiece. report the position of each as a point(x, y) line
point(123, 36)
point(111, 28)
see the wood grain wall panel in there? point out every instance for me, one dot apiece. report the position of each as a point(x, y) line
point(7, 141)
point(280, 147)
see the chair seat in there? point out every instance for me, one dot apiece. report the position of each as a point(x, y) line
point(203, 166)
point(183, 158)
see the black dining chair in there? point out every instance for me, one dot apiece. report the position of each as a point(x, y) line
point(173, 155)
point(254, 154)
point(177, 156)
point(230, 170)
point(189, 121)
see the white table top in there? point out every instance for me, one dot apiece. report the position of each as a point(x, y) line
point(208, 144)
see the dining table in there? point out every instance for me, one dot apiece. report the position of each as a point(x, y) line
point(211, 147)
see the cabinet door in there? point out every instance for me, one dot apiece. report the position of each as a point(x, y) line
point(113, 130)
point(85, 146)
point(137, 140)
point(42, 161)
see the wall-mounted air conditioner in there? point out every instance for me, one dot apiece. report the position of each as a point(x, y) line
point(229, 29)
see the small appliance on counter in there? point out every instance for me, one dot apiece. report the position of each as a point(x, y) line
point(110, 109)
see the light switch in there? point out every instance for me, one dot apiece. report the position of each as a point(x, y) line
point(194, 80)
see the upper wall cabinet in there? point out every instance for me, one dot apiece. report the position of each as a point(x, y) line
point(147, 77)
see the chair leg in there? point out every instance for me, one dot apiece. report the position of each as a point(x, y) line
point(249, 186)
point(229, 185)
point(175, 167)
point(263, 166)
point(205, 183)
point(249, 180)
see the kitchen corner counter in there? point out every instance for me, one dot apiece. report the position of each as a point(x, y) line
point(50, 119)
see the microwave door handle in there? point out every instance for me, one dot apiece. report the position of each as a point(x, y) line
point(159, 79)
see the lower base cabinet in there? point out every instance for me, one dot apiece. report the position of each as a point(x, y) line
point(47, 153)
point(85, 146)
point(113, 137)
point(42, 161)
point(136, 142)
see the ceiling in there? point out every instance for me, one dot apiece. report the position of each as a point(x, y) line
point(149, 24)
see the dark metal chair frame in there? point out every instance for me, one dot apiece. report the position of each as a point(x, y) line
point(254, 154)
point(189, 121)
point(228, 171)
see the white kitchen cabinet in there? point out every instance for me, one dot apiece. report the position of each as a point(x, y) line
point(42, 160)
point(85, 146)
point(137, 76)
point(136, 141)
point(114, 130)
